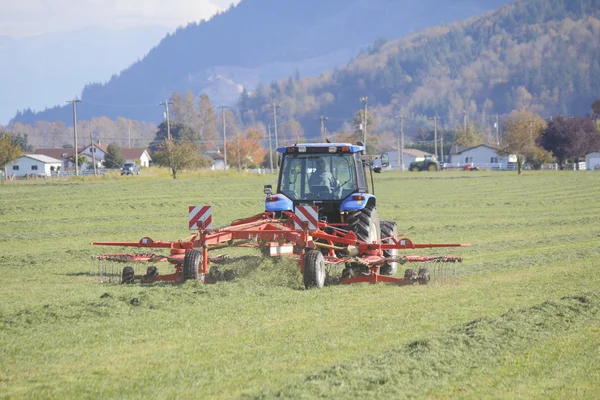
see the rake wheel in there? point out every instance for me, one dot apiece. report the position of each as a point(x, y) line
point(191, 262)
point(314, 269)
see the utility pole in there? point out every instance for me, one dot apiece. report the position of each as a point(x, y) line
point(464, 113)
point(270, 149)
point(166, 104)
point(75, 155)
point(238, 152)
point(365, 100)
point(442, 146)
point(323, 119)
point(435, 136)
point(129, 133)
point(497, 131)
point(93, 152)
point(401, 142)
point(169, 149)
point(275, 107)
point(225, 137)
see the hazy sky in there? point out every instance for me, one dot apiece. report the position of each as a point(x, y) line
point(20, 18)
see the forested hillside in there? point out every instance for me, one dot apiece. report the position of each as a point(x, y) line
point(539, 55)
point(256, 41)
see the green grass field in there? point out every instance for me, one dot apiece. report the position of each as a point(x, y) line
point(524, 321)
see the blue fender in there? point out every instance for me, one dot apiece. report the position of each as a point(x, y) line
point(278, 202)
point(350, 203)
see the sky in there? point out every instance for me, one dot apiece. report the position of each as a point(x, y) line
point(22, 18)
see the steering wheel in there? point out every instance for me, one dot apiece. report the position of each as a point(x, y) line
point(320, 189)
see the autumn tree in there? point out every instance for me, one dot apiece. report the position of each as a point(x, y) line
point(9, 150)
point(359, 120)
point(521, 130)
point(179, 133)
point(570, 138)
point(179, 156)
point(207, 119)
point(246, 152)
point(113, 158)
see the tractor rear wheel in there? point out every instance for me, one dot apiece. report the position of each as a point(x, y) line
point(191, 262)
point(432, 167)
point(314, 269)
point(389, 229)
point(365, 224)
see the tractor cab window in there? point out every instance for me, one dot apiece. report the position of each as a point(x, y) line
point(318, 176)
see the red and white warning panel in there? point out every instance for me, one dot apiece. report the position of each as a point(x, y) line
point(308, 214)
point(199, 216)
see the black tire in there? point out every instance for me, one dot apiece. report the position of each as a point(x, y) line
point(423, 277)
point(191, 263)
point(389, 229)
point(127, 275)
point(410, 275)
point(314, 269)
point(365, 224)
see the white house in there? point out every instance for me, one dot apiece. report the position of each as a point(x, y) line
point(139, 156)
point(482, 156)
point(99, 152)
point(592, 160)
point(34, 164)
point(408, 156)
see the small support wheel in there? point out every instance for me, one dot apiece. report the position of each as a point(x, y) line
point(423, 277)
point(314, 269)
point(191, 263)
point(127, 275)
point(410, 275)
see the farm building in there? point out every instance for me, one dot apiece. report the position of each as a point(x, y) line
point(99, 150)
point(592, 160)
point(408, 156)
point(482, 156)
point(139, 156)
point(34, 164)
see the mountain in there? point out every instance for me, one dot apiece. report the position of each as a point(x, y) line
point(539, 55)
point(46, 70)
point(256, 41)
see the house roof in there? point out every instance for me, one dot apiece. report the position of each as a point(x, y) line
point(100, 146)
point(56, 153)
point(42, 158)
point(134, 153)
point(416, 153)
point(461, 149)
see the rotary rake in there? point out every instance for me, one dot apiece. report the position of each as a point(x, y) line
point(327, 253)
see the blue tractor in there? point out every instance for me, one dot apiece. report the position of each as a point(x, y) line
point(338, 178)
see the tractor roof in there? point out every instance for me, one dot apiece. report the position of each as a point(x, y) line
point(321, 148)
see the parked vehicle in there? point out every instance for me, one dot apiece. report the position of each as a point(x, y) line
point(427, 163)
point(130, 169)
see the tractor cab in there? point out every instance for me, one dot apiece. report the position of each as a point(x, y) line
point(332, 176)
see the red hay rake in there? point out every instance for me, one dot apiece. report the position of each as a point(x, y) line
point(321, 249)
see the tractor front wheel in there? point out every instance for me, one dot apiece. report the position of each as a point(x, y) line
point(389, 229)
point(314, 269)
point(415, 169)
point(432, 167)
point(191, 263)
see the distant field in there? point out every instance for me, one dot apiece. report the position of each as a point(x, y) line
point(524, 322)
